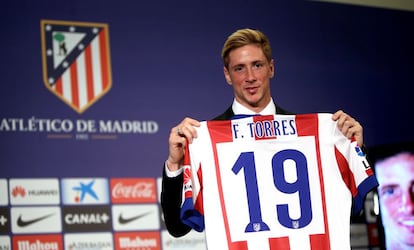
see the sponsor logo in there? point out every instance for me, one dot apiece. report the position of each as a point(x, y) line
point(36, 220)
point(87, 218)
point(5, 243)
point(25, 223)
point(38, 242)
point(34, 191)
point(133, 190)
point(18, 191)
point(85, 191)
point(135, 217)
point(123, 220)
point(76, 61)
point(89, 241)
point(4, 198)
point(191, 241)
point(137, 241)
point(4, 220)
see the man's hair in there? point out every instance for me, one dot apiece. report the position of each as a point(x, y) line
point(244, 37)
point(381, 152)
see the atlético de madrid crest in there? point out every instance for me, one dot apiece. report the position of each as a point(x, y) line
point(76, 61)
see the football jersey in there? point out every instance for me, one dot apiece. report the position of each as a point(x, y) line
point(274, 182)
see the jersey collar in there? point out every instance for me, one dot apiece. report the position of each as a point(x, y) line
point(239, 109)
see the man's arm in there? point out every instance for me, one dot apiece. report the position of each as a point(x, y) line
point(172, 186)
point(171, 199)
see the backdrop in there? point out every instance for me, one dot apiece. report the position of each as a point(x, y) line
point(91, 89)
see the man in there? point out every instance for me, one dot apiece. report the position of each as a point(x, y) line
point(248, 68)
point(396, 195)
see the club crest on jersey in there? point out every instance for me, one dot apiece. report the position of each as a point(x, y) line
point(295, 224)
point(187, 186)
point(256, 227)
point(76, 61)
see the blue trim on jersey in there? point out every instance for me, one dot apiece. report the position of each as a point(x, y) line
point(190, 216)
point(363, 189)
point(234, 117)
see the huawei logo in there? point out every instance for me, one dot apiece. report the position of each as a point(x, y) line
point(18, 190)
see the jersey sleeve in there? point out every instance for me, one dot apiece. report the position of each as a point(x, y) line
point(192, 206)
point(354, 167)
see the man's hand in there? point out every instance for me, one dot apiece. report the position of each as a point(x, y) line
point(177, 141)
point(349, 126)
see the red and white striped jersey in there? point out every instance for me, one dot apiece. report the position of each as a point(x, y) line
point(274, 182)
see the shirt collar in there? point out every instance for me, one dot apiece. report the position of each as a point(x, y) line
point(239, 109)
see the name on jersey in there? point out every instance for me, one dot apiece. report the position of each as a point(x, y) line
point(264, 128)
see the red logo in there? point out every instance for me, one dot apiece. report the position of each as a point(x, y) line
point(38, 242)
point(133, 190)
point(138, 241)
point(18, 190)
point(76, 61)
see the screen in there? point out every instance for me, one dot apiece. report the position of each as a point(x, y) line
point(394, 168)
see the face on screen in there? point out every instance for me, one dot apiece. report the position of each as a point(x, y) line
point(395, 175)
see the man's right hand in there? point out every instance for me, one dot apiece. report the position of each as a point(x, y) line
point(179, 136)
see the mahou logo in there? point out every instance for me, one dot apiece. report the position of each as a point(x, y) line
point(38, 242)
point(137, 241)
point(133, 190)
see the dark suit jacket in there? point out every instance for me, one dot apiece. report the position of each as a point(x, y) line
point(171, 191)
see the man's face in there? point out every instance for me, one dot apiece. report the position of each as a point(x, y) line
point(249, 73)
point(396, 178)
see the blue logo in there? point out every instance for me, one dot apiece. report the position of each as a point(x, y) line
point(85, 191)
point(359, 151)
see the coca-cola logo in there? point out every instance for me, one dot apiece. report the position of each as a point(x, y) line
point(139, 190)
